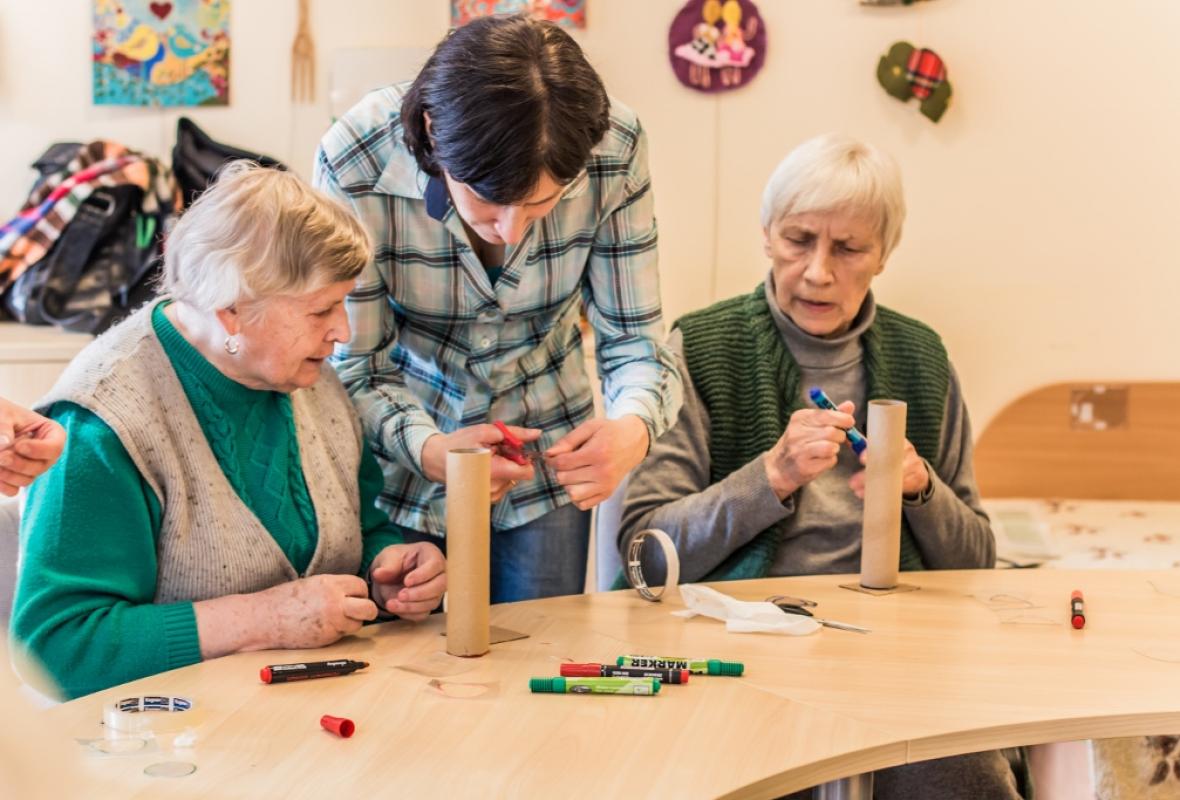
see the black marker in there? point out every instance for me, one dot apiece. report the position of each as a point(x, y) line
point(284, 673)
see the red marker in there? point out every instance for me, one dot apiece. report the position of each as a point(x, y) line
point(1077, 611)
point(610, 671)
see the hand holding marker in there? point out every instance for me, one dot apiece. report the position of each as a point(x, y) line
point(855, 438)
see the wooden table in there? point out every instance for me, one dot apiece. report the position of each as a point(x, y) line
point(948, 669)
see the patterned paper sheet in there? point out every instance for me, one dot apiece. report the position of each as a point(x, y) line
point(1087, 534)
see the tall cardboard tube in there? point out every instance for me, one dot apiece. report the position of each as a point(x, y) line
point(469, 534)
point(881, 542)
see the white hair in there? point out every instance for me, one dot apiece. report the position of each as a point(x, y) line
point(257, 233)
point(834, 171)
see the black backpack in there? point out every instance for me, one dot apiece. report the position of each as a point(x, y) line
point(102, 266)
point(106, 262)
point(197, 157)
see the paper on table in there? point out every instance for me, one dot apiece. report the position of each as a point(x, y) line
point(1021, 530)
point(742, 616)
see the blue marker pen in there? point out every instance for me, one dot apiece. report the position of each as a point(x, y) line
point(855, 438)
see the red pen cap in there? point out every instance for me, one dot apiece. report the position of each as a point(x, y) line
point(338, 725)
point(581, 670)
point(1077, 616)
point(264, 673)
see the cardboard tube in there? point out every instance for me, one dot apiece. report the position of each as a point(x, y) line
point(469, 534)
point(881, 541)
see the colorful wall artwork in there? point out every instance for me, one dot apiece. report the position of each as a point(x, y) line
point(569, 13)
point(716, 46)
point(905, 72)
point(149, 53)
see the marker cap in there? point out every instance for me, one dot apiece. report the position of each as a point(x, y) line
point(338, 725)
point(581, 670)
point(732, 668)
point(547, 685)
point(264, 674)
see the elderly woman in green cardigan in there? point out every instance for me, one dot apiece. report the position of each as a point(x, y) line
point(755, 481)
point(216, 494)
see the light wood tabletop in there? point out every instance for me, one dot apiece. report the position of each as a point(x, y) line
point(972, 660)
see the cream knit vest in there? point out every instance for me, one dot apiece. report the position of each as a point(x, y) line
point(211, 544)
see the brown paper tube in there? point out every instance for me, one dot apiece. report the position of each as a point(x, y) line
point(469, 533)
point(881, 542)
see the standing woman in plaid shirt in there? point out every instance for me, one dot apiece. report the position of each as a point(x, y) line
point(505, 192)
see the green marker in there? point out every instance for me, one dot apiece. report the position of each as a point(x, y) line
point(697, 666)
point(648, 686)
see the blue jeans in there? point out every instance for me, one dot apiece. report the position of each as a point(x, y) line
point(542, 558)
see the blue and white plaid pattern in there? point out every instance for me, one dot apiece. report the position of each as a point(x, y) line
point(436, 347)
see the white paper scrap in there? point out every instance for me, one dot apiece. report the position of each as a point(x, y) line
point(742, 616)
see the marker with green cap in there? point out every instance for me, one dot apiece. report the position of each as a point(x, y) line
point(646, 686)
point(697, 666)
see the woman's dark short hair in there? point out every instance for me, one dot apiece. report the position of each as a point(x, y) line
point(509, 97)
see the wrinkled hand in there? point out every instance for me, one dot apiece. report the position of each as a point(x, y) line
point(505, 473)
point(316, 611)
point(409, 579)
point(915, 476)
point(29, 444)
point(808, 447)
point(593, 458)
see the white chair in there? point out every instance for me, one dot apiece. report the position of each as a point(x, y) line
point(9, 548)
point(607, 516)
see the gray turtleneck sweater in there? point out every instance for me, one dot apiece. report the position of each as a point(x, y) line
point(671, 490)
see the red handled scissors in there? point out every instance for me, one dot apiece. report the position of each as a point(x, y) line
point(513, 449)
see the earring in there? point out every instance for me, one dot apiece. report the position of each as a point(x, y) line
point(231, 345)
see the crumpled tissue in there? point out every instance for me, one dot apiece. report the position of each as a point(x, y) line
point(742, 616)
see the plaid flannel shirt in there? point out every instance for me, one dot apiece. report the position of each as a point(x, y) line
point(437, 347)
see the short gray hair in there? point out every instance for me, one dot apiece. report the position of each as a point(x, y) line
point(257, 233)
point(836, 171)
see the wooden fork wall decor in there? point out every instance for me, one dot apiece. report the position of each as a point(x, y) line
point(303, 59)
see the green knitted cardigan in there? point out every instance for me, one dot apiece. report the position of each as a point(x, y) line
point(750, 385)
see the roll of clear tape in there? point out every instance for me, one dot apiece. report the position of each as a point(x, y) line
point(635, 565)
point(136, 716)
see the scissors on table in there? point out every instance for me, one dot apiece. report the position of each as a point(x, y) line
point(802, 607)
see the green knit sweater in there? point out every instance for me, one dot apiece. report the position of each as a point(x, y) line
point(89, 532)
point(749, 382)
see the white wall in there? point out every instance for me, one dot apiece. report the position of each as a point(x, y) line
point(1040, 236)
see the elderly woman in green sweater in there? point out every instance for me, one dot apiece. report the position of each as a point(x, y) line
point(216, 494)
point(754, 480)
